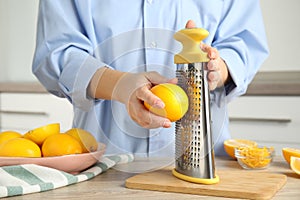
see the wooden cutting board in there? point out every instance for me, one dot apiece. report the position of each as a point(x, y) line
point(234, 184)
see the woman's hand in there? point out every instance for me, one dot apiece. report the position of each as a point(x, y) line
point(217, 69)
point(133, 89)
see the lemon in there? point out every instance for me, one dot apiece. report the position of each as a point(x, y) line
point(288, 152)
point(20, 147)
point(175, 99)
point(7, 135)
point(38, 135)
point(87, 141)
point(231, 144)
point(295, 164)
point(60, 144)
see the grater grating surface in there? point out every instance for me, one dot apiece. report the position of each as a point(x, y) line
point(193, 147)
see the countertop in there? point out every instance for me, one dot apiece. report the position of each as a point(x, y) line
point(285, 83)
point(21, 87)
point(110, 185)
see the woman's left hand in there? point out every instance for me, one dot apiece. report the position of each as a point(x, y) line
point(217, 69)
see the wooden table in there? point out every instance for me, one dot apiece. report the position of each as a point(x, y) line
point(110, 185)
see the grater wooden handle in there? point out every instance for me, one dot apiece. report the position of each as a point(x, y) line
point(191, 51)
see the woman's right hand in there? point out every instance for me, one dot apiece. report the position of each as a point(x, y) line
point(133, 89)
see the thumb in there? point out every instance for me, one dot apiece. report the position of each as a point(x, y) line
point(190, 24)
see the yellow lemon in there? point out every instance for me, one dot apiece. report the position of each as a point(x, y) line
point(295, 164)
point(7, 135)
point(38, 135)
point(288, 152)
point(20, 147)
point(87, 141)
point(231, 144)
point(60, 144)
point(175, 99)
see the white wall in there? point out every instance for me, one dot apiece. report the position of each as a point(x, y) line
point(17, 39)
point(18, 21)
point(282, 22)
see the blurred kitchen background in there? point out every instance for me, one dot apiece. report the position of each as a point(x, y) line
point(268, 113)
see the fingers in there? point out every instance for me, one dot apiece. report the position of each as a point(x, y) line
point(136, 90)
point(212, 65)
point(217, 69)
point(190, 24)
point(212, 53)
point(144, 94)
point(214, 75)
point(138, 111)
point(213, 78)
point(144, 118)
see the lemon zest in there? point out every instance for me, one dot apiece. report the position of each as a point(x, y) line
point(255, 157)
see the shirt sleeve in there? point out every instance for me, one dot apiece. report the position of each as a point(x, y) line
point(241, 41)
point(63, 60)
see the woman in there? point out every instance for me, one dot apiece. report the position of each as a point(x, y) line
point(105, 55)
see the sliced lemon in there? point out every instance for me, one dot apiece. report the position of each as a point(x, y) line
point(231, 144)
point(295, 164)
point(288, 152)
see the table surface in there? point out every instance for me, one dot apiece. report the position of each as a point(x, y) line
point(110, 185)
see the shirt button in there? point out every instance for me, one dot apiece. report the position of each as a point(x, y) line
point(150, 1)
point(153, 44)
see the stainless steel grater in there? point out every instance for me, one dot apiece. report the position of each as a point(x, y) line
point(194, 147)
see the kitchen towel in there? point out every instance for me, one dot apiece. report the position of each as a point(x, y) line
point(31, 178)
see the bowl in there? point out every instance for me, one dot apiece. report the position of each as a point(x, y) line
point(73, 164)
point(254, 157)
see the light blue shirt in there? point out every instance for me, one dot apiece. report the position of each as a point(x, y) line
point(75, 38)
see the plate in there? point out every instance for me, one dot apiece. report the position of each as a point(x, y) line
point(73, 164)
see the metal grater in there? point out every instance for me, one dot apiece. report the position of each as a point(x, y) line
point(193, 146)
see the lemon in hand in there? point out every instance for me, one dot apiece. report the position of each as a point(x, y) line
point(175, 99)
point(20, 147)
point(87, 141)
point(38, 135)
